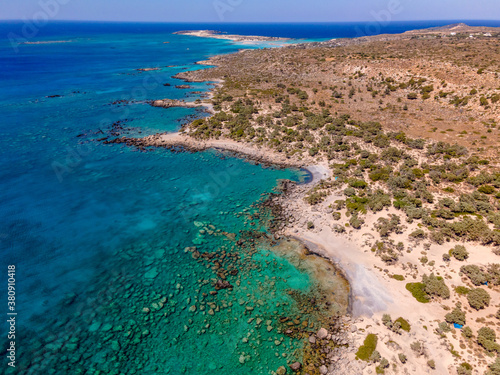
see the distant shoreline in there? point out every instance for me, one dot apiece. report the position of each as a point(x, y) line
point(233, 37)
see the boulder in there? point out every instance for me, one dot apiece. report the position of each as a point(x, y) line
point(322, 333)
point(295, 366)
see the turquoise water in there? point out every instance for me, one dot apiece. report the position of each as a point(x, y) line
point(117, 251)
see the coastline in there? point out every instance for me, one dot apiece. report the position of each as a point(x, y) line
point(374, 290)
point(235, 38)
point(178, 140)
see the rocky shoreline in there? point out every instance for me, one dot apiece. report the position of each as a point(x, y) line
point(332, 349)
point(182, 142)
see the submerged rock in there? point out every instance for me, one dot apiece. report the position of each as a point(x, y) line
point(295, 366)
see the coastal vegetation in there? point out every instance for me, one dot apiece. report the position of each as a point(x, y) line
point(366, 350)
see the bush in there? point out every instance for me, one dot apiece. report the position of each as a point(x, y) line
point(486, 338)
point(380, 369)
point(405, 326)
point(366, 350)
point(386, 226)
point(402, 358)
point(336, 215)
point(418, 234)
point(486, 333)
point(400, 278)
point(461, 370)
point(459, 252)
point(467, 332)
point(456, 316)
point(418, 291)
point(418, 348)
point(435, 285)
point(462, 290)
point(432, 364)
point(478, 298)
point(349, 192)
point(494, 274)
point(474, 273)
point(486, 189)
point(494, 368)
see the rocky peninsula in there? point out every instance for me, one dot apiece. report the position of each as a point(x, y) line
point(235, 38)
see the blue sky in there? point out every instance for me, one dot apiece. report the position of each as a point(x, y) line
point(251, 10)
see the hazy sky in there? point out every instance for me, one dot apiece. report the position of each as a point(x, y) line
point(250, 10)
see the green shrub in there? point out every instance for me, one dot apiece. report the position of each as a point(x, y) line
point(486, 337)
point(356, 222)
point(494, 273)
point(387, 226)
point(459, 252)
point(405, 326)
point(380, 369)
point(456, 316)
point(474, 273)
point(366, 350)
point(418, 348)
point(398, 277)
point(358, 184)
point(432, 364)
point(486, 189)
point(418, 291)
point(494, 368)
point(375, 357)
point(464, 370)
point(435, 285)
point(467, 332)
point(402, 357)
point(478, 298)
point(462, 290)
point(418, 234)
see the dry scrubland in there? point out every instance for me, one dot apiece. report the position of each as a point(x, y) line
point(407, 127)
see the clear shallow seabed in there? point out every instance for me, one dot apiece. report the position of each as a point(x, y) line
point(98, 233)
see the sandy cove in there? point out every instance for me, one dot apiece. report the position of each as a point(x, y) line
point(375, 293)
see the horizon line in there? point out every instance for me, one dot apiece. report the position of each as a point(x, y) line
point(255, 22)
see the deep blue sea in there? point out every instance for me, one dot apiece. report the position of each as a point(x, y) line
point(102, 236)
